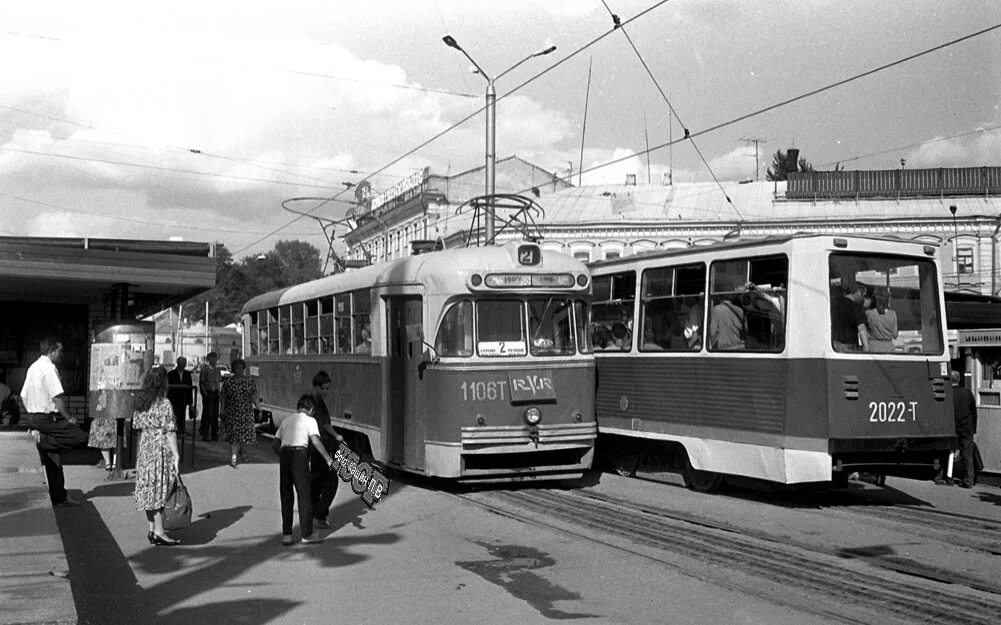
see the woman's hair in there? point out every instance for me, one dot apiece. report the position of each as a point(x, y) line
point(882, 299)
point(239, 363)
point(154, 387)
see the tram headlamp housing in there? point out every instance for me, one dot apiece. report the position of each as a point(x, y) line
point(581, 279)
point(476, 280)
point(533, 415)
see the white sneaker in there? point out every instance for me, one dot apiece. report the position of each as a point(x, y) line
point(312, 539)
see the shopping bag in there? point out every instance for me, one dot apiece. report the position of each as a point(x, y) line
point(177, 510)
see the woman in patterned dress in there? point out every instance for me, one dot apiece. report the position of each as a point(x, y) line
point(157, 460)
point(239, 401)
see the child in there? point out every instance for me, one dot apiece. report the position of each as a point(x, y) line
point(292, 445)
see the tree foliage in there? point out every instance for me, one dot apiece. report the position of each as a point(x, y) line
point(289, 263)
point(783, 163)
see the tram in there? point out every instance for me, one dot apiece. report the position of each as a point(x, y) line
point(473, 364)
point(754, 359)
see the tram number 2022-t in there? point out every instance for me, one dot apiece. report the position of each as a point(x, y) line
point(892, 411)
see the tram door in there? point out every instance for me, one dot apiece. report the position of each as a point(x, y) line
point(406, 406)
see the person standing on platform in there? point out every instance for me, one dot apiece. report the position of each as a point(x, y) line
point(239, 403)
point(157, 463)
point(180, 392)
point(209, 384)
point(54, 430)
point(323, 481)
point(965, 407)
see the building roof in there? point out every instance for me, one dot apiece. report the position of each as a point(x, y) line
point(762, 201)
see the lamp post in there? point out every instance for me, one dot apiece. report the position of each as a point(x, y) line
point(491, 111)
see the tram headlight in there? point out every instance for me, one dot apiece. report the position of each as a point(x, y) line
point(476, 279)
point(533, 415)
point(581, 279)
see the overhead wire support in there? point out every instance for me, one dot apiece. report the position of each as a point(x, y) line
point(618, 25)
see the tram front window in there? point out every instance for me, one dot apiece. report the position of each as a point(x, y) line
point(550, 327)
point(885, 304)
point(455, 336)
point(501, 328)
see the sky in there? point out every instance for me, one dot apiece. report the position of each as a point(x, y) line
point(199, 120)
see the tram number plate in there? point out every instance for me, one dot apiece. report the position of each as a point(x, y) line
point(532, 385)
point(892, 411)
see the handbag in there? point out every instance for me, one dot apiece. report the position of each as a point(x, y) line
point(177, 510)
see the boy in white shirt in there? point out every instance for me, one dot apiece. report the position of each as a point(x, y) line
point(292, 445)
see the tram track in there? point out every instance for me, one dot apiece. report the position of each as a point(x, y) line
point(845, 588)
point(963, 530)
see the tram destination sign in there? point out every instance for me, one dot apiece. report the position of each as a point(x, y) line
point(365, 479)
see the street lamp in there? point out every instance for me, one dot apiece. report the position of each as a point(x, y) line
point(491, 111)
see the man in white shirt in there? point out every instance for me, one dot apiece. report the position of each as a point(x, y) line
point(52, 426)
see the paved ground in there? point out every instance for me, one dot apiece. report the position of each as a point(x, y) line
point(420, 557)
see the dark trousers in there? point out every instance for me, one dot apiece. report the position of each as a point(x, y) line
point(966, 459)
point(210, 415)
point(323, 482)
point(179, 416)
point(293, 474)
point(58, 435)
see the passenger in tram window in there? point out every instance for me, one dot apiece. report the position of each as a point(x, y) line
point(649, 341)
point(881, 323)
point(848, 328)
point(621, 338)
point(601, 336)
point(727, 325)
point(693, 326)
point(765, 324)
point(364, 345)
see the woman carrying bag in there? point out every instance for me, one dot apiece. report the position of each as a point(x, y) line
point(157, 467)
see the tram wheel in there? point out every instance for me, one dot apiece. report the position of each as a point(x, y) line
point(701, 481)
point(626, 463)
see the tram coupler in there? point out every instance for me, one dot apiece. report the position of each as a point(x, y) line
point(533, 435)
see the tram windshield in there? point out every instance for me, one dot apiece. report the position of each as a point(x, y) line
point(538, 326)
point(885, 304)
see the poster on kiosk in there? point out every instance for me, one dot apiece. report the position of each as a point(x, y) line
point(120, 356)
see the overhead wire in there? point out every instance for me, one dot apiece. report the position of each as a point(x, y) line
point(799, 97)
point(455, 125)
point(617, 24)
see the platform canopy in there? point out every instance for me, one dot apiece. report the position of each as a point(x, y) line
point(152, 274)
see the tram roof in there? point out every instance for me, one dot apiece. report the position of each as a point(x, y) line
point(719, 246)
point(439, 272)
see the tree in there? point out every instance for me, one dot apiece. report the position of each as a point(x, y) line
point(785, 162)
point(291, 262)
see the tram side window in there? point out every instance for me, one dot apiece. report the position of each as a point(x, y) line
point(312, 327)
point(285, 328)
point(885, 304)
point(362, 317)
point(327, 344)
point(455, 335)
point(252, 334)
point(747, 300)
point(273, 331)
point(342, 322)
point(550, 326)
point(612, 311)
point(673, 308)
point(298, 343)
point(581, 314)
point(500, 328)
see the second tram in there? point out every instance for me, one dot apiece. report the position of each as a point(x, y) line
point(791, 360)
point(502, 390)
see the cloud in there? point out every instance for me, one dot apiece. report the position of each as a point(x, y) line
point(983, 148)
